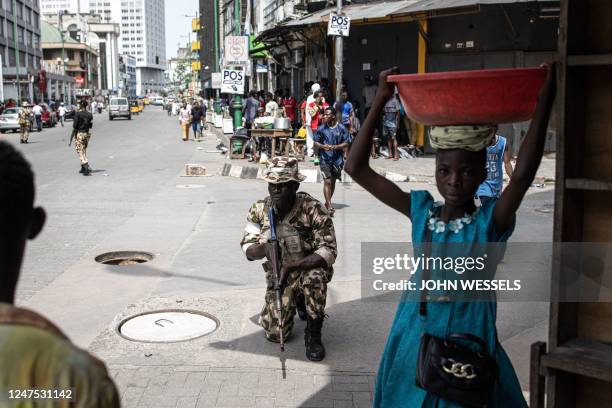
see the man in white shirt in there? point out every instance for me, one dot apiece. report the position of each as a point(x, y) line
point(62, 113)
point(271, 106)
point(37, 111)
point(309, 131)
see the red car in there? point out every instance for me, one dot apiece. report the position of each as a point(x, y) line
point(49, 117)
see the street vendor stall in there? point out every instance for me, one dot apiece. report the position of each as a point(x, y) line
point(282, 135)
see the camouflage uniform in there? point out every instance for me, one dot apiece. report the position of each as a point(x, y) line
point(24, 124)
point(305, 230)
point(80, 145)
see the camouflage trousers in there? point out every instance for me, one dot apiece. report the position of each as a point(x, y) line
point(312, 284)
point(80, 145)
point(25, 133)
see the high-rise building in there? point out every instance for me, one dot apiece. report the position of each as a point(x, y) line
point(142, 33)
point(19, 48)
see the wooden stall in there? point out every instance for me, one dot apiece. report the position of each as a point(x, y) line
point(574, 369)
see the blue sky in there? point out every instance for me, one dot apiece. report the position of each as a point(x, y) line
point(178, 26)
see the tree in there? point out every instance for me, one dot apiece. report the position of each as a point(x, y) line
point(182, 75)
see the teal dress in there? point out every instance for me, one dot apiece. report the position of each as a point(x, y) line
point(395, 382)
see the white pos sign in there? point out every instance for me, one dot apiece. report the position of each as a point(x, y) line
point(338, 25)
point(232, 81)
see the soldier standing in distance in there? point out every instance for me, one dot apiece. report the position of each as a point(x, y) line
point(24, 118)
point(307, 252)
point(83, 121)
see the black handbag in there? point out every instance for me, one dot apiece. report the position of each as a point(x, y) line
point(453, 371)
point(456, 372)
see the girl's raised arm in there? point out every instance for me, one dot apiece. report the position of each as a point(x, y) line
point(529, 157)
point(358, 163)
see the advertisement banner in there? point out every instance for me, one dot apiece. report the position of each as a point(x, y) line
point(236, 50)
point(232, 81)
point(338, 25)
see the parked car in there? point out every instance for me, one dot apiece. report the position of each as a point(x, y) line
point(119, 107)
point(9, 120)
point(48, 117)
point(70, 112)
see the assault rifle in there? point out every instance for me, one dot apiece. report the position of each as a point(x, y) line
point(72, 135)
point(277, 274)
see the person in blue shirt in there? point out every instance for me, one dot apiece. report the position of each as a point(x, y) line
point(496, 154)
point(331, 138)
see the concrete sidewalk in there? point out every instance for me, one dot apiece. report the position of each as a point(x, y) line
point(236, 367)
point(421, 169)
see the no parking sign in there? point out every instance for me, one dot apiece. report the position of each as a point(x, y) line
point(232, 81)
point(338, 25)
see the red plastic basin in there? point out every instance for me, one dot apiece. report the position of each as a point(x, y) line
point(470, 97)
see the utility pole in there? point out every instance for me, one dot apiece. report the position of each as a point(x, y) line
point(237, 105)
point(339, 57)
point(217, 102)
point(15, 44)
point(61, 30)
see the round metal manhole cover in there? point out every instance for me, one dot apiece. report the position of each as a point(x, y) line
point(124, 257)
point(167, 326)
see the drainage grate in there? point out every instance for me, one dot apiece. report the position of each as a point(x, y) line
point(167, 326)
point(124, 257)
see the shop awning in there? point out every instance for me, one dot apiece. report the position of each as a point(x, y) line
point(358, 13)
point(257, 49)
point(446, 6)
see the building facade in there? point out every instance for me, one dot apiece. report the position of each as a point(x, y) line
point(80, 60)
point(127, 72)
point(142, 34)
point(19, 48)
point(101, 36)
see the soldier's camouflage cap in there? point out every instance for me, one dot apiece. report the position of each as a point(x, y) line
point(282, 170)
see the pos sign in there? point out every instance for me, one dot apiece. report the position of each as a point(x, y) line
point(338, 25)
point(232, 81)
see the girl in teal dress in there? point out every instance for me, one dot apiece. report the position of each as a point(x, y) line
point(459, 172)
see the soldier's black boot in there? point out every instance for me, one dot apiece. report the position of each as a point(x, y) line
point(300, 305)
point(312, 339)
point(82, 169)
point(86, 170)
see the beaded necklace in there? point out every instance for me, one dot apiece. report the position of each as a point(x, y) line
point(455, 225)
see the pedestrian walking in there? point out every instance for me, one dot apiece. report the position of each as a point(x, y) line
point(332, 139)
point(249, 110)
point(25, 120)
point(313, 111)
point(37, 111)
point(497, 153)
point(196, 120)
point(184, 121)
point(367, 94)
point(308, 251)
point(62, 113)
point(34, 353)
point(390, 124)
point(81, 126)
point(314, 88)
point(460, 169)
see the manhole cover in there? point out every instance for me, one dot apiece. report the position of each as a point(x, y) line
point(166, 326)
point(124, 257)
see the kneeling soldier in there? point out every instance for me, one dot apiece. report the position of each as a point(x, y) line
point(307, 241)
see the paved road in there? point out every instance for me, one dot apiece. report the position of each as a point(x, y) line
point(137, 200)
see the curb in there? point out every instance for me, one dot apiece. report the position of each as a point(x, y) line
point(312, 175)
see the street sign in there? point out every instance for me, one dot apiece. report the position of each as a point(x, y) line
point(338, 25)
point(79, 80)
point(216, 80)
point(261, 68)
point(236, 50)
point(232, 81)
